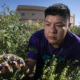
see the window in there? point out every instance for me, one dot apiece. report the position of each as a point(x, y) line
point(33, 14)
point(22, 14)
point(71, 19)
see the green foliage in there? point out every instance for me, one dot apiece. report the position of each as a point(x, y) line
point(14, 37)
point(60, 71)
point(75, 30)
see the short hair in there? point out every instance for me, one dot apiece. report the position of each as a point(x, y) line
point(58, 9)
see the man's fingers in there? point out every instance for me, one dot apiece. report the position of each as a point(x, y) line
point(0, 72)
point(16, 64)
point(6, 67)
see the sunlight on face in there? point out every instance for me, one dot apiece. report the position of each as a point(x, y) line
point(55, 29)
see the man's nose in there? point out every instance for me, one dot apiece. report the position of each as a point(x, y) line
point(53, 29)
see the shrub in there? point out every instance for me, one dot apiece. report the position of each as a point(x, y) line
point(14, 37)
point(75, 30)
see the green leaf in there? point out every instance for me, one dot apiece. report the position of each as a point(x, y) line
point(33, 50)
point(8, 43)
point(2, 31)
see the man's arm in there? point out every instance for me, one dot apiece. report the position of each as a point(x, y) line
point(28, 67)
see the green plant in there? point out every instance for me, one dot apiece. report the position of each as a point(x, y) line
point(14, 37)
point(75, 30)
point(60, 71)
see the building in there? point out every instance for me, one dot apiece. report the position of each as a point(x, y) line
point(36, 12)
point(72, 19)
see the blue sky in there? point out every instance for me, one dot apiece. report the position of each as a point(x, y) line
point(74, 5)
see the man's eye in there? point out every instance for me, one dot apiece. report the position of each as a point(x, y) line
point(48, 24)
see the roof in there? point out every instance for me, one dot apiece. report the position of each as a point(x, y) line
point(30, 7)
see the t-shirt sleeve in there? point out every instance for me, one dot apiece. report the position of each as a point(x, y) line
point(34, 43)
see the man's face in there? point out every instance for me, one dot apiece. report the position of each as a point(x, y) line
point(55, 29)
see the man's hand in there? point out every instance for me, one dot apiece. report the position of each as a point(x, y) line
point(13, 60)
point(5, 68)
point(26, 67)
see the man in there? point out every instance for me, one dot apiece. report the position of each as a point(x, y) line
point(55, 38)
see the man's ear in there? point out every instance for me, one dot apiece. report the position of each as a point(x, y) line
point(69, 26)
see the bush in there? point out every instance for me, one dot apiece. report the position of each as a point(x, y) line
point(60, 71)
point(14, 37)
point(75, 30)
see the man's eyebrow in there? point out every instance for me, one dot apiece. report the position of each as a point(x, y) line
point(55, 23)
point(59, 23)
point(47, 21)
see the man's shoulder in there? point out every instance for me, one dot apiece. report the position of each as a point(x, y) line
point(74, 40)
point(74, 37)
point(37, 37)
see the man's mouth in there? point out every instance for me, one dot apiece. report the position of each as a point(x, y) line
point(52, 37)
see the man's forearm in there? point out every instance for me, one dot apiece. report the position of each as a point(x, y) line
point(26, 69)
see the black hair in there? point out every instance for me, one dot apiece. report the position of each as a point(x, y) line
point(58, 9)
